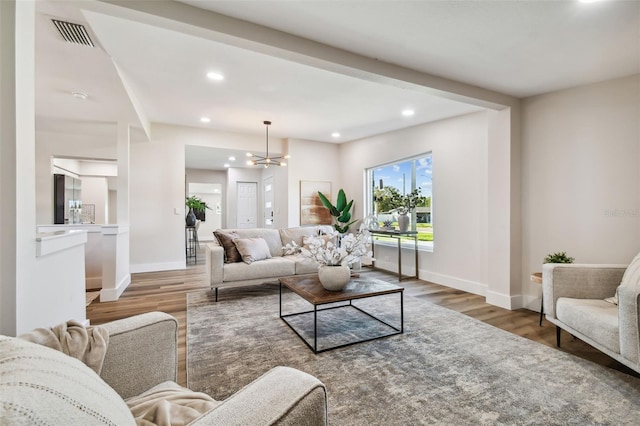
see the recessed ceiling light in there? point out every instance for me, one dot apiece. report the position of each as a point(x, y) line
point(408, 112)
point(335, 134)
point(215, 76)
point(227, 165)
point(205, 119)
point(232, 158)
point(80, 95)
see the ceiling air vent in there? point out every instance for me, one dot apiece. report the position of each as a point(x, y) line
point(73, 33)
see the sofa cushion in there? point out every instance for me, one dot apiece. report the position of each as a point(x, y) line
point(39, 385)
point(170, 403)
point(271, 236)
point(304, 265)
point(592, 317)
point(289, 235)
point(252, 249)
point(270, 268)
point(225, 238)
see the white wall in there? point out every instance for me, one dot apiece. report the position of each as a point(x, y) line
point(459, 148)
point(95, 191)
point(157, 191)
point(315, 161)
point(581, 176)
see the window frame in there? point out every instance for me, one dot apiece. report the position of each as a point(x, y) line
point(370, 185)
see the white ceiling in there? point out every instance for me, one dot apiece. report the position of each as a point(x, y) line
point(519, 48)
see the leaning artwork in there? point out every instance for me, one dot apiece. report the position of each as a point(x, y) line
point(312, 212)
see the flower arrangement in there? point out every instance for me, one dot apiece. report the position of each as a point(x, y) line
point(334, 249)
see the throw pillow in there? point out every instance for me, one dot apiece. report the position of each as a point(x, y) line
point(225, 238)
point(41, 385)
point(252, 249)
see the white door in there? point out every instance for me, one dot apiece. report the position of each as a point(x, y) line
point(267, 197)
point(247, 204)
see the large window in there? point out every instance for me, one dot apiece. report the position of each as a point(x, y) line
point(402, 178)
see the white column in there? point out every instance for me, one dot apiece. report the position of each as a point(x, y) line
point(115, 262)
point(8, 229)
point(503, 199)
point(124, 140)
point(116, 275)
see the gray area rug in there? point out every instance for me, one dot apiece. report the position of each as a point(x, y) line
point(446, 368)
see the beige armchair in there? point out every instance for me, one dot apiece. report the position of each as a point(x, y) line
point(39, 385)
point(574, 300)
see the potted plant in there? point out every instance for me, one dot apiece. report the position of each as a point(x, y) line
point(194, 203)
point(340, 212)
point(559, 257)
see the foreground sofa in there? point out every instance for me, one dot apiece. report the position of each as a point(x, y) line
point(597, 304)
point(222, 272)
point(39, 385)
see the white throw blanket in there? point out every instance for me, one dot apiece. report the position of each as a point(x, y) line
point(89, 345)
point(169, 404)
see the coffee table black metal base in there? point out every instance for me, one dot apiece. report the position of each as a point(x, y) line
point(317, 308)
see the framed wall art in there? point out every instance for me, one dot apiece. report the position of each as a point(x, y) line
point(312, 212)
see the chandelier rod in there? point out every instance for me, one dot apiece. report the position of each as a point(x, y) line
point(267, 123)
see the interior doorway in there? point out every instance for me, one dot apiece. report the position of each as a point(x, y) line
point(210, 219)
point(267, 201)
point(247, 202)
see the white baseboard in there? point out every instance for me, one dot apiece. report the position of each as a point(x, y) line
point(504, 300)
point(112, 294)
point(93, 283)
point(156, 267)
point(469, 286)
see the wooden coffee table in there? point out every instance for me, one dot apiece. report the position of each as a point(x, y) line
point(309, 288)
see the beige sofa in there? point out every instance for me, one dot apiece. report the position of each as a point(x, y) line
point(223, 274)
point(574, 300)
point(39, 385)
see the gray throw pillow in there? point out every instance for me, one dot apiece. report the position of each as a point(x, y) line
point(252, 249)
point(225, 238)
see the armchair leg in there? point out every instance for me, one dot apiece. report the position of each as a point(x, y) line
point(558, 329)
point(216, 294)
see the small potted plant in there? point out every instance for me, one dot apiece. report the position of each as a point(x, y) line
point(559, 257)
point(194, 204)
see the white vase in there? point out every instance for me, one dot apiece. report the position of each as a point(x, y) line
point(334, 278)
point(403, 222)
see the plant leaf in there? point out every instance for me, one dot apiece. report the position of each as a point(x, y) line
point(344, 217)
point(342, 201)
point(325, 201)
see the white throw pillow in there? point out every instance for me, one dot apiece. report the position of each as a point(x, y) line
point(252, 249)
point(39, 385)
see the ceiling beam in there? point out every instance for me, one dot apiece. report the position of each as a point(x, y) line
point(258, 38)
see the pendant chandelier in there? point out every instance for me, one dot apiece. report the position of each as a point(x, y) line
point(266, 161)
